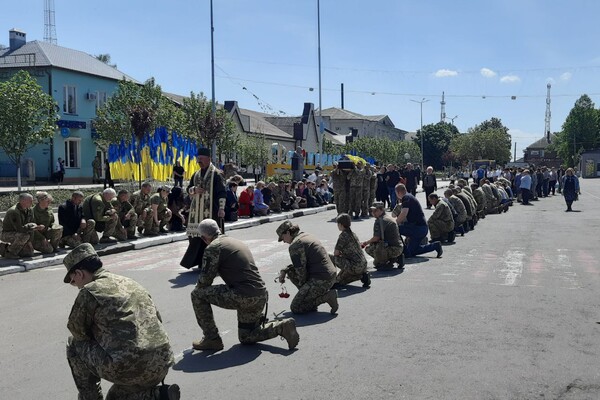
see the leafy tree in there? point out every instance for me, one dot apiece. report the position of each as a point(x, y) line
point(488, 141)
point(105, 58)
point(384, 150)
point(436, 141)
point(27, 117)
point(580, 132)
point(254, 150)
point(198, 123)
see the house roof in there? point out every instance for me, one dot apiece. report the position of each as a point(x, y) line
point(259, 124)
point(339, 113)
point(338, 140)
point(43, 54)
point(541, 143)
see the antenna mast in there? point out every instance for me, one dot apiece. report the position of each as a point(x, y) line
point(443, 111)
point(548, 114)
point(49, 25)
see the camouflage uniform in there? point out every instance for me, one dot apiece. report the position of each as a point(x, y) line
point(490, 199)
point(141, 203)
point(441, 221)
point(70, 216)
point(46, 241)
point(351, 261)
point(17, 231)
point(244, 291)
point(480, 198)
point(94, 207)
point(373, 188)
point(127, 221)
point(117, 335)
point(459, 207)
point(163, 214)
point(389, 248)
point(356, 178)
point(340, 191)
point(311, 271)
point(366, 193)
point(276, 199)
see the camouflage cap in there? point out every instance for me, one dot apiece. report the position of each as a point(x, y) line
point(77, 255)
point(378, 204)
point(284, 227)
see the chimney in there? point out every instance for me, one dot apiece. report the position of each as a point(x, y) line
point(16, 39)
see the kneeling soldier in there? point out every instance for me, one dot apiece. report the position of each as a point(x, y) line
point(385, 246)
point(127, 221)
point(18, 228)
point(76, 229)
point(45, 240)
point(244, 291)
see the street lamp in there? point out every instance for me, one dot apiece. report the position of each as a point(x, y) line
point(452, 119)
point(424, 100)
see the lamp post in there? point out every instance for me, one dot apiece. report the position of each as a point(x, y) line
point(213, 110)
point(452, 119)
point(424, 100)
point(321, 127)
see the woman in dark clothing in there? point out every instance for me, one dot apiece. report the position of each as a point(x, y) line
point(267, 193)
point(176, 204)
point(381, 193)
point(231, 203)
point(570, 188)
point(108, 182)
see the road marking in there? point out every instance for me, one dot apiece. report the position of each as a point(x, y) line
point(513, 262)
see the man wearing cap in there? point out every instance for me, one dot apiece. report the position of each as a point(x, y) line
point(76, 229)
point(18, 228)
point(209, 194)
point(161, 214)
point(140, 200)
point(385, 246)
point(244, 291)
point(311, 271)
point(117, 334)
point(127, 221)
point(99, 208)
point(45, 240)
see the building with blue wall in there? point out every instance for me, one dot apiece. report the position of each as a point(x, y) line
point(79, 83)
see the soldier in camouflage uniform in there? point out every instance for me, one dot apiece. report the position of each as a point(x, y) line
point(18, 228)
point(385, 246)
point(117, 334)
point(76, 229)
point(441, 222)
point(45, 240)
point(140, 200)
point(366, 192)
point(277, 197)
point(356, 179)
point(160, 212)
point(312, 271)
point(348, 255)
point(244, 291)
point(491, 201)
point(479, 197)
point(99, 208)
point(340, 190)
point(127, 221)
point(373, 184)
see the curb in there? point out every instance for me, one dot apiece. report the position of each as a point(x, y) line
point(42, 261)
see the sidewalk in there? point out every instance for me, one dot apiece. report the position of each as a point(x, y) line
point(8, 266)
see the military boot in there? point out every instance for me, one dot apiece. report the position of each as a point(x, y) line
point(332, 299)
point(366, 280)
point(3, 249)
point(208, 344)
point(289, 333)
point(169, 392)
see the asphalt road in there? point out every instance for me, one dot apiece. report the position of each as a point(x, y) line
point(509, 312)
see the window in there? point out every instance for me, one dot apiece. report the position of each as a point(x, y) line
point(100, 99)
point(73, 153)
point(70, 100)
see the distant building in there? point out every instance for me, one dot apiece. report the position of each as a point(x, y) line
point(80, 84)
point(539, 155)
point(590, 164)
point(342, 122)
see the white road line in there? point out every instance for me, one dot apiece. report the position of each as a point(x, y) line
point(513, 262)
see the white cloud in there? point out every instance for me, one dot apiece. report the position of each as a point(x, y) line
point(566, 76)
point(510, 79)
point(444, 73)
point(487, 73)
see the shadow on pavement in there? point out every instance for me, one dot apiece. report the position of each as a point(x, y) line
point(349, 290)
point(238, 354)
point(385, 273)
point(415, 260)
point(186, 278)
point(313, 318)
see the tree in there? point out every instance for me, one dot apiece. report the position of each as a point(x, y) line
point(436, 141)
point(581, 131)
point(198, 123)
point(105, 58)
point(254, 150)
point(27, 117)
point(488, 141)
point(384, 150)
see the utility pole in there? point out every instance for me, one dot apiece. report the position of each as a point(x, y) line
point(213, 111)
point(321, 127)
point(548, 114)
point(424, 100)
point(443, 109)
point(342, 88)
point(49, 25)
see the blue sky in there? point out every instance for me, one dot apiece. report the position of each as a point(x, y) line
point(386, 52)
